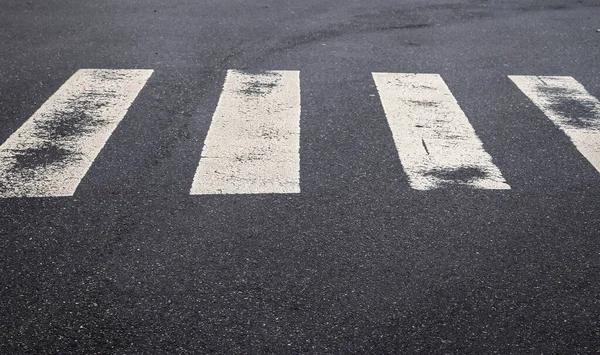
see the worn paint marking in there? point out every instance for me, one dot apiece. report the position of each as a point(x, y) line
point(570, 107)
point(53, 150)
point(437, 145)
point(253, 143)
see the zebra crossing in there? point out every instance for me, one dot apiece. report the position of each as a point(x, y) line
point(570, 107)
point(436, 143)
point(253, 143)
point(53, 150)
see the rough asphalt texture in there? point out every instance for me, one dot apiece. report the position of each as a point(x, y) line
point(357, 263)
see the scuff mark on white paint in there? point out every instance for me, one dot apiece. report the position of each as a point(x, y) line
point(570, 107)
point(437, 145)
point(52, 151)
point(253, 144)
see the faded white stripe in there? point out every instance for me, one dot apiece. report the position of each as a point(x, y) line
point(437, 145)
point(52, 151)
point(570, 107)
point(253, 144)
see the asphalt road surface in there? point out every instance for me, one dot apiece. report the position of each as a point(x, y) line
point(318, 176)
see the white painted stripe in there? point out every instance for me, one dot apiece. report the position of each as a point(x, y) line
point(253, 144)
point(437, 145)
point(570, 107)
point(52, 151)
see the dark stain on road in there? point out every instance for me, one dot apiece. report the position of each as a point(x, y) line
point(266, 73)
point(462, 174)
point(258, 88)
point(579, 113)
point(73, 121)
point(34, 158)
point(554, 91)
point(544, 7)
point(424, 103)
point(403, 27)
point(60, 127)
point(403, 18)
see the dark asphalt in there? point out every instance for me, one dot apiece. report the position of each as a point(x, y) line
point(357, 263)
